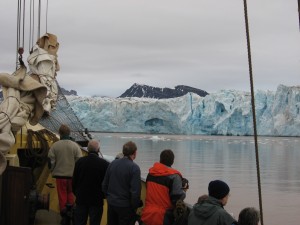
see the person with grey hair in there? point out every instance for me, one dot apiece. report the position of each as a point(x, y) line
point(122, 187)
point(88, 175)
point(249, 216)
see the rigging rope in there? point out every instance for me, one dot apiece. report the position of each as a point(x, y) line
point(20, 40)
point(77, 126)
point(39, 140)
point(23, 35)
point(31, 27)
point(47, 17)
point(18, 31)
point(39, 20)
point(299, 12)
point(253, 111)
point(30, 23)
point(21, 27)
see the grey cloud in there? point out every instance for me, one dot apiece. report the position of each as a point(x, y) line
point(106, 46)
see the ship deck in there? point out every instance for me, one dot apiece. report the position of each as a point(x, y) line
point(44, 217)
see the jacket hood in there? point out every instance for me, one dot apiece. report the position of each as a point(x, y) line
point(160, 169)
point(207, 208)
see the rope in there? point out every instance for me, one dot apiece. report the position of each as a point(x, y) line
point(70, 108)
point(30, 28)
point(20, 20)
point(6, 116)
point(18, 31)
point(39, 21)
point(33, 15)
point(59, 122)
point(31, 25)
point(42, 137)
point(23, 35)
point(47, 17)
point(253, 111)
point(299, 12)
point(5, 100)
point(39, 156)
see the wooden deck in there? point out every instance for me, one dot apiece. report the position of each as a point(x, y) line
point(44, 217)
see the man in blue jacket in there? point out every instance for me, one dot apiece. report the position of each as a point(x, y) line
point(122, 187)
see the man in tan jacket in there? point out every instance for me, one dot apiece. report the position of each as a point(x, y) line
point(62, 155)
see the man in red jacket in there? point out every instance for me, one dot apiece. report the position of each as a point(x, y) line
point(164, 189)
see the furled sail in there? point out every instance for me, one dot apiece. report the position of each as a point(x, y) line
point(26, 96)
point(43, 64)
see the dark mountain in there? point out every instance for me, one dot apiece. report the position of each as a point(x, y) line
point(137, 90)
point(66, 92)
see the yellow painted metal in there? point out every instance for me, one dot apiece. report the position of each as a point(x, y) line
point(54, 199)
point(46, 184)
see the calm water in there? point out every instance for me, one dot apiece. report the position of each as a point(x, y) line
point(232, 159)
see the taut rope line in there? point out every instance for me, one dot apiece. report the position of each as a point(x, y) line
point(47, 17)
point(31, 27)
point(39, 20)
point(253, 112)
point(18, 31)
point(299, 13)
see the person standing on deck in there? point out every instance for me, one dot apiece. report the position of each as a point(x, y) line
point(210, 211)
point(122, 187)
point(62, 157)
point(88, 175)
point(164, 189)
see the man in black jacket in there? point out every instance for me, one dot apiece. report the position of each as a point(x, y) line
point(88, 175)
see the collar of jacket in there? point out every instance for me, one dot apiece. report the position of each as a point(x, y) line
point(65, 138)
point(93, 153)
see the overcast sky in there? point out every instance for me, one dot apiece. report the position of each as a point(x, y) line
point(106, 46)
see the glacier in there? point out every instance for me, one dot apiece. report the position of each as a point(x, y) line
point(226, 112)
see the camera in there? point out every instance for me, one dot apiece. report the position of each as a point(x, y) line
point(185, 183)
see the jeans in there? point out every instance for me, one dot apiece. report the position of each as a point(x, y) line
point(81, 213)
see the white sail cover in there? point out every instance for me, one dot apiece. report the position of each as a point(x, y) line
point(26, 96)
point(43, 63)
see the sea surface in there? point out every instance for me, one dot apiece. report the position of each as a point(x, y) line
point(204, 158)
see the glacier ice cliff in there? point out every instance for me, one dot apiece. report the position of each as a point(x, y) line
point(227, 112)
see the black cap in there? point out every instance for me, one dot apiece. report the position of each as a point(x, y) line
point(218, 189)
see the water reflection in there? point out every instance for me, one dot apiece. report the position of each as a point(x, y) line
point(204, 158)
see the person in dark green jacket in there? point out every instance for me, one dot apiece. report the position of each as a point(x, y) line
point(210, 211)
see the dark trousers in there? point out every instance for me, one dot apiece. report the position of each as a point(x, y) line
point(120, 215)
point(82, 212)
